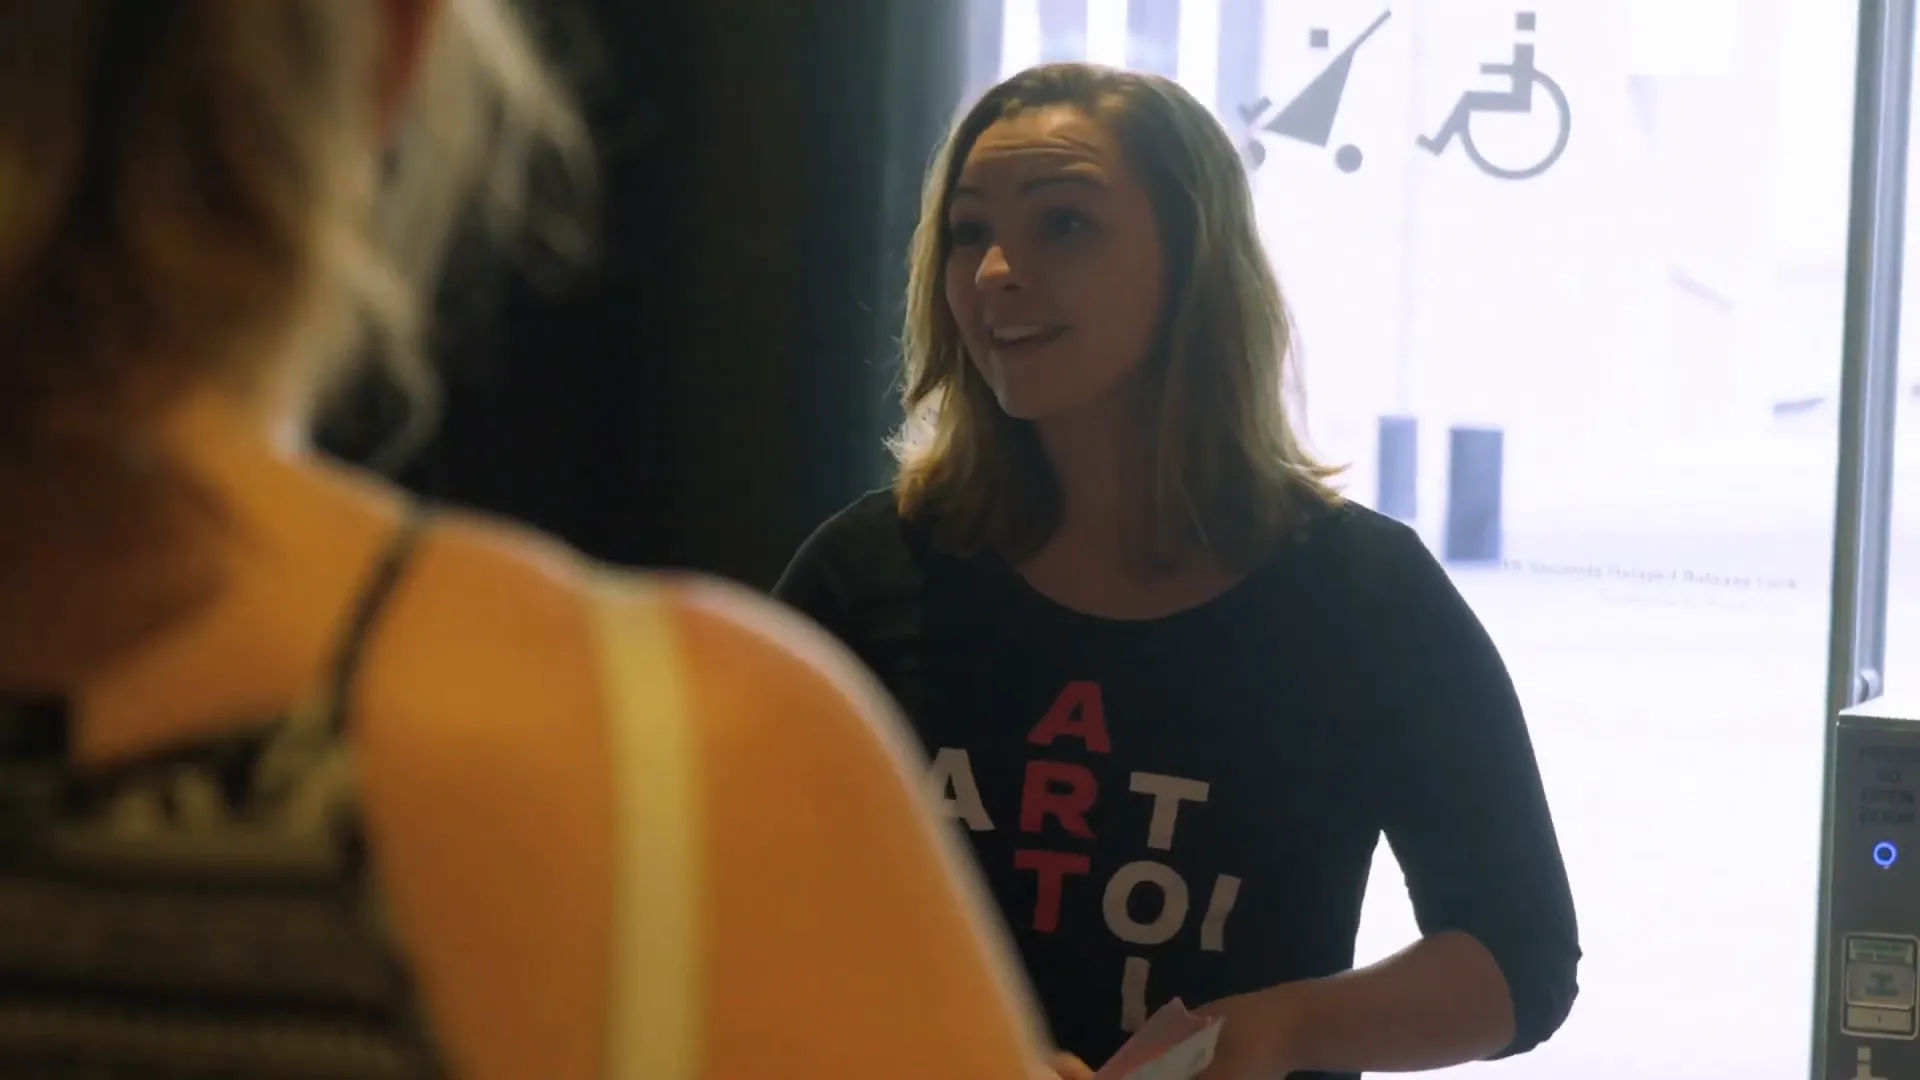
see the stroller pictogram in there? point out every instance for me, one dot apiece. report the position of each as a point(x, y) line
point(1309, 117)
point(1519, 99)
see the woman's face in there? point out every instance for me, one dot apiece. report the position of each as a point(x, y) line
point(1055, 270)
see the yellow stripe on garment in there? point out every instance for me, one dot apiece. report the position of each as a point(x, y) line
point(656, 994)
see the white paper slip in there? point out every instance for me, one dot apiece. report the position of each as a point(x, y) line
point(1184, 1061)
point(1173, 1044)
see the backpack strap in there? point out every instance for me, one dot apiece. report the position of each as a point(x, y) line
point(654, 1022)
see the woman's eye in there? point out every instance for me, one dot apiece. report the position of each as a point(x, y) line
point(1065, 222)
point(966, 233)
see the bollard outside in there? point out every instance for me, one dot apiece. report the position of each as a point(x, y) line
point(1399, 479)
point(1475, 475)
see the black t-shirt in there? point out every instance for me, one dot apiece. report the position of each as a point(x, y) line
point(1188, 806)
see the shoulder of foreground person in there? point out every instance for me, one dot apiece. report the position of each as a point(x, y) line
point(844, 937)
point(479, 728)
point(850, 938)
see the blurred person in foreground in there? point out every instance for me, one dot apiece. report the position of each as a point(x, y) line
point(298, 781)
point(1175, 687)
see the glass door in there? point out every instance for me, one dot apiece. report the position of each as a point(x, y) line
point(1569, 276)
point(1902, 604)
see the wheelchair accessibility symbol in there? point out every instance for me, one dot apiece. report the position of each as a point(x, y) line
point(1519, 99)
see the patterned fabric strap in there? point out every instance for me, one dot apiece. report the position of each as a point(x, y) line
point(653, 1028)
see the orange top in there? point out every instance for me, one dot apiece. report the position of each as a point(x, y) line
point(720, 832)
point(625, 828)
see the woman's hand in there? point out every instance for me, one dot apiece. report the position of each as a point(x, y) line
point(1253, 1043)
point(1065, 1066)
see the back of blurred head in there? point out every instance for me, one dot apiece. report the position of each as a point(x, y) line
point(242, 196)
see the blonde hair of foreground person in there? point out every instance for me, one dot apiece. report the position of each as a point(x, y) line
point(204, 206)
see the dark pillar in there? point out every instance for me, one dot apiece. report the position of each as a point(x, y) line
point(805, 152)
point(721, 381)
point(1475, 471)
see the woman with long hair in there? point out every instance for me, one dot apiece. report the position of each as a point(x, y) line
point(1175, 688)
point(297, 780)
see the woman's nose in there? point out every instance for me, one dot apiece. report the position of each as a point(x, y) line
point(995, 271)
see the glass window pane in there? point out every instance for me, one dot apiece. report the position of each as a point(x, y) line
point(1903, 553)
point(1569, 277)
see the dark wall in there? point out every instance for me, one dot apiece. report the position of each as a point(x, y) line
point(722, 378)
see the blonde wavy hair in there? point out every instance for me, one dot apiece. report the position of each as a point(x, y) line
point(1230, 471)
point(191, 190)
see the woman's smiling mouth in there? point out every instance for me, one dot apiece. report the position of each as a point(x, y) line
point(1013, 340)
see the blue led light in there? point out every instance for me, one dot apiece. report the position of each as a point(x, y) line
point(1884, 853)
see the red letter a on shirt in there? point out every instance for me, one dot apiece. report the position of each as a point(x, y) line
point(1076, 713)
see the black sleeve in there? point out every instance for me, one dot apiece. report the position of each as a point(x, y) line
point(846, 566)
point(815, 581)
point(1457, 788)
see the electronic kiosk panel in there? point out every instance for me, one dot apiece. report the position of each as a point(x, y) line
point(1870, 1011)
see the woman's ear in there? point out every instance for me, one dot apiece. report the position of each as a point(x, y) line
point(405, 26)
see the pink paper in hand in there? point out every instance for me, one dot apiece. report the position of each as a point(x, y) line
point(1173, 1045)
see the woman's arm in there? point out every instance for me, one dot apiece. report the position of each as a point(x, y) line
point(1458, 793)
point(1442, 1001)
point(1462, 803)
